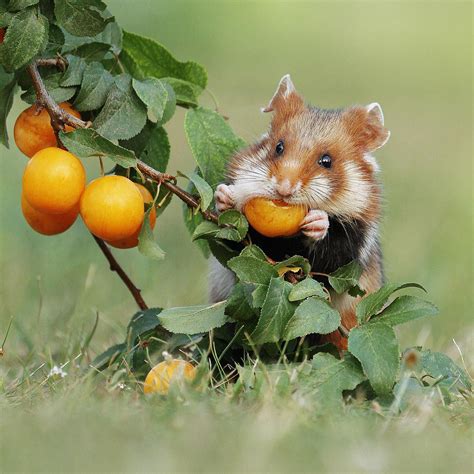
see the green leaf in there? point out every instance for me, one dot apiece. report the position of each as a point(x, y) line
point(56, 91)
point(234, 226)
point(108, 357)
point(295, 261)
point(142, 322)
point(123, 115)
point(330, 376)
point(373, 303)
point(205, 230)
point(112, 35)
point(81, 17)
point(170, 106)
point(405, 308)
point(16, 5)
point(192, 220)
point(154, 95)
point(55, 41)
point(221, 251)
point(212, 142)
point(276, 312)
point(151, 146)
point(94, 51)
point(95, 86)
point(440, 367)
point(205, 191)
point(74, 71)
point(144, 57)
point(26, 35)
point(313, 316)
point(253, 251)
point(345, 277)
point(157, 150)
point(186, 92)
point(306, 288)
point(194, 319)
point(86, 142)
point(7, 91)
point(239, 303)
point(146, 241)
point(255, 271)
point(376, 347)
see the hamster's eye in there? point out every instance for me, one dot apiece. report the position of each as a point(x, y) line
point(325, 161)
point(280, 148)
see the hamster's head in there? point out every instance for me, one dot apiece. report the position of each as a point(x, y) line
point(318, 158)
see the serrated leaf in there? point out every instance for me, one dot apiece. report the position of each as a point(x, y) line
point(112, 35)
point(157, 149)
point(144, 57)
point(313, 316)
point(440, 367)
point(95, 86)
point(404, 309)
point(146, 241)
point(55, 41)
point(345, 277)
point(53, 86)
point(7, 91)
point(376, 347)
point(205, 230)
point(276, 312)
point(187, 93)
point(16, 5)
point(306, 288)
point(86, 142)
point(154, 95)
point(236, 220)
point(255, 271)
point(205, 191)
point(141, 323)
point(194, 319)
point(192, 220)
point(93, 51)
point(330, 376)
point(239, 303)
point(170, 106)
point(221, 251)
point(26, 35)
point(212, 142)
point(123, 115)
point(295, 261)
point(373, 303)
point(81, 17)
point(74, 71)
point(253, 251)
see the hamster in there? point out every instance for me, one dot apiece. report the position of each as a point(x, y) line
point(321, 159)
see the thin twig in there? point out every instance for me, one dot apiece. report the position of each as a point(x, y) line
point(115, 267)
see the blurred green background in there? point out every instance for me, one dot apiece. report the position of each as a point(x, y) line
point(412, 57)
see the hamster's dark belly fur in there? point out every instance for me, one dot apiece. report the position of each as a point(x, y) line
point(341, 245)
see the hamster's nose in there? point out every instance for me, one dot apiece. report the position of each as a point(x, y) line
point(284, 188)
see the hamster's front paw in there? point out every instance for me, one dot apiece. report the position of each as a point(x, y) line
point(224, 197)
point(315, 225)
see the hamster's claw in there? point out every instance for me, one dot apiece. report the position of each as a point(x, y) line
point(224, 198)
point(315, 225)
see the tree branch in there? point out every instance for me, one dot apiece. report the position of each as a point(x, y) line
point(115, 267)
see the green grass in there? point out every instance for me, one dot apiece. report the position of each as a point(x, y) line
point(415, 59)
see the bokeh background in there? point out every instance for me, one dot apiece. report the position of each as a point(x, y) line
point(412, 57)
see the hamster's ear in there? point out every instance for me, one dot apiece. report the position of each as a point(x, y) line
point(285, 97)
point(366, 125)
